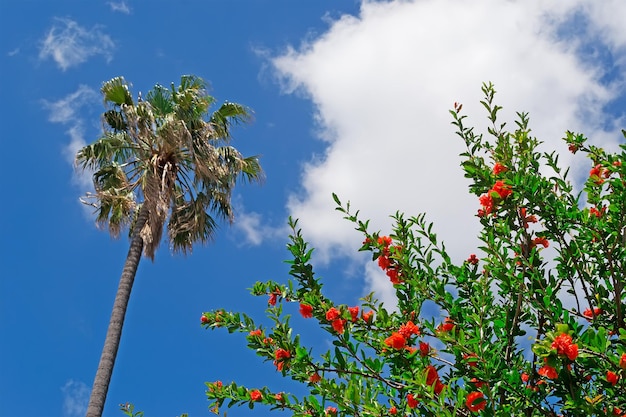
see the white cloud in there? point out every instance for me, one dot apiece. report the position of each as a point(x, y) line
point(382, 83)
point(66, 111)
point(75, 398)
point(120, 6)
point(250, 225)
point(70, 44)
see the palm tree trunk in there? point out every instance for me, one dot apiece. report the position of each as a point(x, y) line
point(114, 333)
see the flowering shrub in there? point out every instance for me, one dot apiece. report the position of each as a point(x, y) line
point(518, 329)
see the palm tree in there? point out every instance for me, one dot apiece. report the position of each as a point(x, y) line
point(161, 160)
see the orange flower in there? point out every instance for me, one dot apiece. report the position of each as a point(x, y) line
point(315, 378)
point(564, 346)
point(396, 341)
point(332, 314)
point(256, 332)
point(446, 326)
point(589, 314)
point(622, 361)
point(548, 372)
point(411, 401)
point(475, 401)
point(612, 377)
point(339, 325)
point(498, 168)
point(408, 329)
point(306, 311)
point(367, 316)
point(354, 312)
point(255, 395)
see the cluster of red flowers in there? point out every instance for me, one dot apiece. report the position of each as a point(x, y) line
point(498, 192)
point(280, 356)
point(385, 261)
point(564, 346)
point(398, 340)
point(334, 317)
point(411, 401)
point(593, 211)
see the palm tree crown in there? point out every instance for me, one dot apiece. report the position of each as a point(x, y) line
point(167, 153)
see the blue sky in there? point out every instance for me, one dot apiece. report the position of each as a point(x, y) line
point(349, 97)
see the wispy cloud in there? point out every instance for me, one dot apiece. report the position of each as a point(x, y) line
point(382, 83)
point(66, 111)
point(70, 44)
point(119, 6)
point(75, 398)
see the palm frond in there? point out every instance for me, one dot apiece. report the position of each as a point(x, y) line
point(160, 98)
point(115, 91)
point(112, 147)
point(227, 115)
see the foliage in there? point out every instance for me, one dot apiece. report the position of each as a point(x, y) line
point(169, 153)
point(471, 354)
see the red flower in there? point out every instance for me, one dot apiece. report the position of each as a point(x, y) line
point(475, 401)
point(595, 174)
point(338, 325)
point(424, 349)
point(411, 401)
point(354, 312)
point(306, 311)
point(470, 363)
point(477, 382)
point(447, 325)
point(315, 378)
point(548, 372)
point(272, 299)
point(502, 189)
point(217, 385)
point(256, 332)
point(527, 219)
point(331, 411)
point(572, 147)
point(268, 341)
point(524, 377)
point(472, 259)
point(367, 316)
point(394, 276)
point(393, 410)
point(593, 211)
point(384, 262)
point(332, 314)
point(498, 168)
point(622, 361)
point(280, 355)
point(256, 395)
point(396, 341)
point(279, 397)
point(384, 241)
point(204, 319)
point(487, 202)
point(612, 377)
point(564, 346)
point(431, 375)
point(540, 241)
point(589, 314)
point(408, 329)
